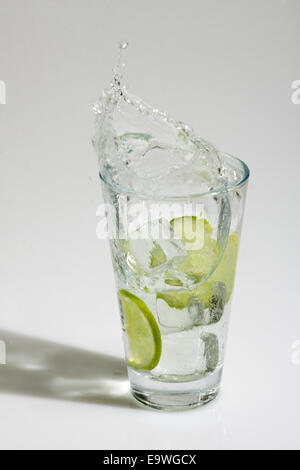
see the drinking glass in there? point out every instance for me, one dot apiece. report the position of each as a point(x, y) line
point(174, 260)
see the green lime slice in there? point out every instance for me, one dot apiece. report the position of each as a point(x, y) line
point(225, 272)
point(199, 263)
point(202, 249)
point(143, 335)
point(179, 299)
point(157, 256)
point(191, 230)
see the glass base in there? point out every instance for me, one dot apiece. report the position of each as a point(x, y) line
point(174, 401)
point(174, 395)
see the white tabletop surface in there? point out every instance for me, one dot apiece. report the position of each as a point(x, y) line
point(227, 68)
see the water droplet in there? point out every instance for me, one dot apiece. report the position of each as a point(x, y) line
point(123, 44)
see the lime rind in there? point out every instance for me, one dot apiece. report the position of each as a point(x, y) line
point(143, 334)
point(225, 271)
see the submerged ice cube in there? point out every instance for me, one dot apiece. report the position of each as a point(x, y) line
point(173, 317)
point(195, 314)
point(180, 354)
point(217, 302)
point(153, 246)
point(201, 316)
point(197, 311)
point(210, 351)
point(188, 352)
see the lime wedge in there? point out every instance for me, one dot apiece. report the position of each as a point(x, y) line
point(157, 256)
point(143, 335)
point(202, 249)
point(225, 272)
point(179, 299)
point(199, 263)
point(190, 230)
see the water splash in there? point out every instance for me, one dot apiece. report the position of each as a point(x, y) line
point(142, 148)
point(116, 83)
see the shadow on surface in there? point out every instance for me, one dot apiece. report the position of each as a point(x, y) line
point(51, 370)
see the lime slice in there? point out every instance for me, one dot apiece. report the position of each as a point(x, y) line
point(187, 226)
point(173, 282)
point(157, 256)
point(202, 249)
point(199, 263)
point(225, 272)
point(179, 299)
point(143, 335)
point(190, 230)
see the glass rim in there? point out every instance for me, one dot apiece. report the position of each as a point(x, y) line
point(222, 189)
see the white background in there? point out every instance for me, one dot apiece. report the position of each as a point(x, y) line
point(224, 67)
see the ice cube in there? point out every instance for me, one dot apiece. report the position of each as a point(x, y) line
point(210, 351)
point(153, 246)
point(180, 354)
point(132, 147)
point(217, 302)
point(201, 316)
point(173, 317)
point(198, 314)
point(188, 352)
point(195, 314)
point(159, 160)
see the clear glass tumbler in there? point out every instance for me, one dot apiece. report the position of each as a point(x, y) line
point(174, 260)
